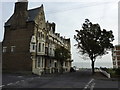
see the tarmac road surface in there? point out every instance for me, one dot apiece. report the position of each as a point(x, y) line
point(82, 79)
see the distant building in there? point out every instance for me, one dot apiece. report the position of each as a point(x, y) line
point(29, 42)
point(119, 22)
point(1, 63)
point(116, 50)
point(116, 56)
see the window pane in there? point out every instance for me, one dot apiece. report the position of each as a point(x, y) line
point(38, 61)
point(33, 48)
point(12, 48)
point(39, 47)
point(43, 48)
point(4, 49)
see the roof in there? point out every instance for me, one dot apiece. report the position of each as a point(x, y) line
point(117, 45)
point(68, 39)
point(32, 13)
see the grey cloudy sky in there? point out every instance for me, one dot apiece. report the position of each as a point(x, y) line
point(69, 16)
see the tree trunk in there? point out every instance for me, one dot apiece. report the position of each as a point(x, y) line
point(93, 71)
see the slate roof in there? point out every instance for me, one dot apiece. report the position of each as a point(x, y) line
point(32, 13)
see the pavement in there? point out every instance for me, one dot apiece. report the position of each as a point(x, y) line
point(82, 80)
point(102, 81)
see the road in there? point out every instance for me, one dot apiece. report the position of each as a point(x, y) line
point(81, 79)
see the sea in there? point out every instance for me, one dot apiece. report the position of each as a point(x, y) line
point(88, 64)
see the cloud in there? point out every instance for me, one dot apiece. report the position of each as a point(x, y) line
point(70, 14)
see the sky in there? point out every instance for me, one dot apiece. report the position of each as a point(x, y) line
point(69, 15)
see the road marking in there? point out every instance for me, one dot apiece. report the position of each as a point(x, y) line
point(20, 76)
point(17, 82)
point(90, 81)
point(9, 84)
point(92, 86)
point(12, 83)
point(2, 85)
point(22, 80)
point(87, 85)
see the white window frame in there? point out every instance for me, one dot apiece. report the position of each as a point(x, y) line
point(13, 48)
point(4, 49)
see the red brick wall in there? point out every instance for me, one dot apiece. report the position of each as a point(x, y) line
point(20, 60)
point(117, 47)
point(119, 64)
point(118, 57)
point(118, 53)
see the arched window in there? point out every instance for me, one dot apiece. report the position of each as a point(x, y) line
point(43, 47)
point(40, 34)
point(43, 36)
point(39, 50)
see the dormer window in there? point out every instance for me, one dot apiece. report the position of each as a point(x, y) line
point(32, 47)
point(33, 39)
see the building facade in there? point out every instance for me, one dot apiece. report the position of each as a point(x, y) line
point(119, 22)
point(30, 41)
point(116, 56)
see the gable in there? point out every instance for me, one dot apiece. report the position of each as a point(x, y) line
point(32, 13)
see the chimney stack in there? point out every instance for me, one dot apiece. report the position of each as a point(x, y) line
point(21, 6)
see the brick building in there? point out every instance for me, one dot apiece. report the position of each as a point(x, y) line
point(116, 50)
point(116, 56)
point(30, 41)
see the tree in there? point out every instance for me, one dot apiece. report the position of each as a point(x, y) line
point(92, 41)
point(62, 54)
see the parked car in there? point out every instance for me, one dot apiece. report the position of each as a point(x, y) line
point(72, 69)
